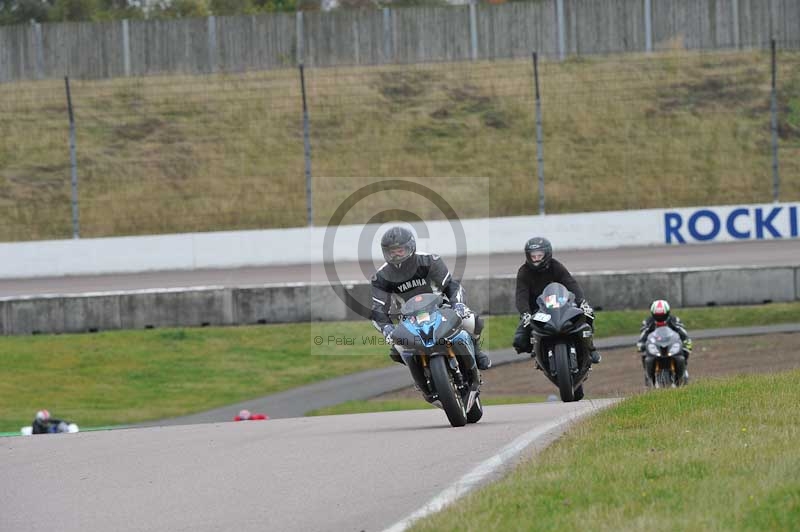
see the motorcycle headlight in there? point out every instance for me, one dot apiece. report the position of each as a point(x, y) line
point(652, 349)
point(675, 348)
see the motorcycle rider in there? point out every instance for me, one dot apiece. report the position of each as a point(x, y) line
point(660, 317)
point(408, 273)
point(539, 270)
point(246, 415)
point(44, 424)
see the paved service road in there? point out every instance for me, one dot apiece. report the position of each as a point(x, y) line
point(764, 253)
point(356, 472)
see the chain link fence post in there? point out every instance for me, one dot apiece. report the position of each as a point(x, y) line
point(539, 139)
point(307, 151)
point(776, 179)
point(76, 230)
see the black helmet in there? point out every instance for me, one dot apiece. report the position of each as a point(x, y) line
point(538, 252)
point(398, 245)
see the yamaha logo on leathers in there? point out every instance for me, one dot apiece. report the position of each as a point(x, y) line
point(413, 283)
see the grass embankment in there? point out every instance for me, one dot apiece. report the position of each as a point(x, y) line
point(225, 152)
point(128, 376)
point(717, 455)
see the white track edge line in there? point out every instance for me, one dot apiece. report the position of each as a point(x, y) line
point(469, 481)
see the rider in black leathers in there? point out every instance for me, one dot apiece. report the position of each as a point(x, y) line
point(408, 273)
point(539, 270)
point(44, 424)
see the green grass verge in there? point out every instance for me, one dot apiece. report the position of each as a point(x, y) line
point(130, 376)
point(393, 405)
point(717, 455)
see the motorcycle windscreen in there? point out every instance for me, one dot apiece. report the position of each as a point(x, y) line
point(555, 296)
point(557, 311)
point(664, 340)
point(663, 336)
point(420, 304)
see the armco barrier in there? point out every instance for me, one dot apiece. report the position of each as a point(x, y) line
point(176, 308)
point(797, 284)
point(306, 302)
point(733, 287)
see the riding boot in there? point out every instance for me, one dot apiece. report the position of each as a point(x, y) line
point(394, 355)
point(594, 355)
point(481, 358)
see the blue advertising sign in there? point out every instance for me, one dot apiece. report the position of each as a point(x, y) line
point(711, 224)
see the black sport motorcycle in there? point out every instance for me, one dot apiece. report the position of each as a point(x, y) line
point(441, 357)
point(664, 359)
point(558, 334)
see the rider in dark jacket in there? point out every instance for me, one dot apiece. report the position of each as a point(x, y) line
point(539, 270)
point(408, 273)
point(44, 424)
point(660, 316)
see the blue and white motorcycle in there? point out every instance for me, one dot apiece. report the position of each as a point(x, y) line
point(441, 357)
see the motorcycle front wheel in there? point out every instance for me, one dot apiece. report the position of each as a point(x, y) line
point(664, 378)
point(561, 360)
point(452, 403)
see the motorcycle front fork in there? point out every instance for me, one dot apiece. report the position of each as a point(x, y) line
point(537, 352)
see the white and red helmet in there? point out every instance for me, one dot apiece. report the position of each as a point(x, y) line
point(244, 415)
point(42, 416)
point(660, 310)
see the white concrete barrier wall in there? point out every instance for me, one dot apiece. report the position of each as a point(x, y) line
point(483, 237)
point(301, 302)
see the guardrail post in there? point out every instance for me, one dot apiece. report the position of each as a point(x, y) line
point(473, 29)
point(212, 44)
point(126, 47)
point(300, 39)
point(387, 34)
point(562, 31)
point(38, 50)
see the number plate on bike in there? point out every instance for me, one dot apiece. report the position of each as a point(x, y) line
point(541, 316)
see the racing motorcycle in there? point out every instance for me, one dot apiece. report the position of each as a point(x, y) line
point(434, 345)
point(558, 330)
point(63, 427)
point(664, 359)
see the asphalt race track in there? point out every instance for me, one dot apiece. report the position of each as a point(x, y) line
point(336, 473)
point(751, 253)
point(359, 472)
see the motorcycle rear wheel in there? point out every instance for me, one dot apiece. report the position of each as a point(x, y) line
point(476, 412)
point(452, 403)
point(579, 393)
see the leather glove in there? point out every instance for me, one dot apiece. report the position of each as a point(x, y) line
point(387, 331)
point(587, 309)
point(462, 310)
point(640, 346)
point(525, 318)
point(688, 344)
